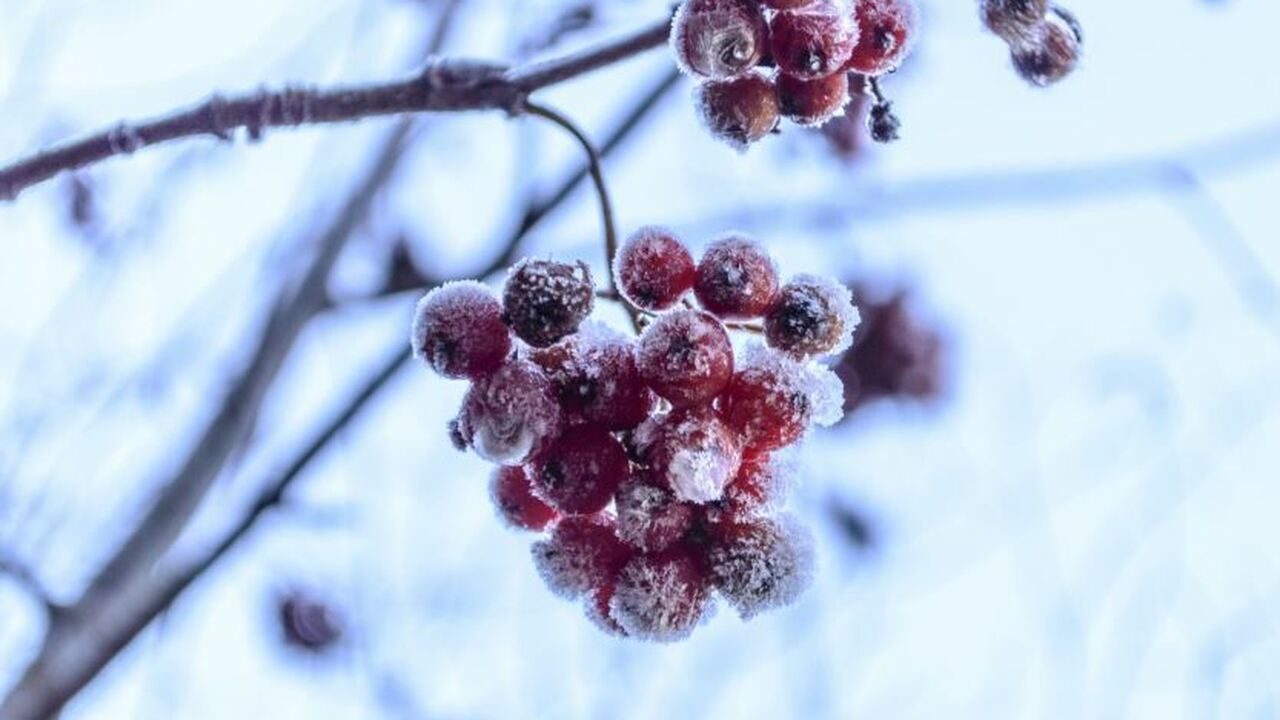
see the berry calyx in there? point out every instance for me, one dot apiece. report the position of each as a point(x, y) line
point(511, 415)
point(458, 330)
point(582, 554)
point(813, 41)
point(886, 34)
point(761, 564)
point(544, 301)
point(736, 278)
point(739, 110)
point(653, 269)
point(719, 38)
point(663, 596)
point(812, 102)
point(686, 357)
point(579, 473)
point(813, 316)
point(515, 502)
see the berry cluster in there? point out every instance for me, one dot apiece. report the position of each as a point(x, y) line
point(813, 45)
point(1044, 39)
point(652, 462)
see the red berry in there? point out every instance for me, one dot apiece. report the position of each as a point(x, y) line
point(1050, 53)
point(761, 564)
point(458, 330)
point(814, 41)
point(813, 316)
point(581, 470)
point(686, 357)
point(886, 33)
point(653, 269)
point(597, 605)
point(650, 517)
point(1013, 20)
point(596, 377)
point(812, 102)
point(663, 596)
point(583, 553)
point(736, 278)
point(786, 4)
point(511, 415)
point(692, 451)
point(740, 110)
point(761, 483)
point(544, 301)
point(513, 498)
point(719, 38)
point(767, 402)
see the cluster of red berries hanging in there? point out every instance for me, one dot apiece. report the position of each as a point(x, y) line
point(813, 47)
point(1044, 39)
point(652, 462)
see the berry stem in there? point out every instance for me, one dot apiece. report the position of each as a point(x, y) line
point(602, 192)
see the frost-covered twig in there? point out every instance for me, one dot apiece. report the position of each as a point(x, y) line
point(444, 85)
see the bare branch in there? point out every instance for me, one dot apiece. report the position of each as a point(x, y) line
point(25, 577)
point(444, 85)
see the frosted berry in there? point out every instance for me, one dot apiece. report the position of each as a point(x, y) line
point(583, 553)
point(598, 604)
point(761, 565)
point(509, 416)
point(663, 596)
point(692, 451)
point(767, 402)
point(686, 357)
point(812, 102)
point(719, 38)
point(740, 110)
point(458, 330)
point(513, 498)
point(736, 278)
point(1013, 20)
point(650, 517)
point(814, 41)
point(596, 377)
point(886, 33)
point(761, 483)
point(544, 301)
point(1050, 53)
point(581, 470)
point(813, 316)
point(653, 269)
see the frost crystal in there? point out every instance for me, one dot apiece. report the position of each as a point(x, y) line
point(662, 597)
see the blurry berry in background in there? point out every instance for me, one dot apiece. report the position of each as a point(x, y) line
point(308, 623)
point(895, 354)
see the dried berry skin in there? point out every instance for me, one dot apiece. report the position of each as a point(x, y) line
point(583, 553)
point(1013, 20)
point(739, 111)
point(513, 498)
point(686, 357)
point(761, 565)
point(650, 517)
point(692, 451)
point(718, 38)
point(814, 41)
point(813, 316)
point(544, 301)
point(736, 278)
point(653, 269)
point(767, 404)
point(886, 34)
point(458, 330)
point(812, 102)
point(663, 596)
point(511, 415)
point(580, 472)
point(1049, 55)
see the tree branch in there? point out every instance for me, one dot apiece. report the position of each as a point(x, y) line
point(444, 85)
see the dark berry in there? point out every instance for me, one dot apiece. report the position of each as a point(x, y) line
point(653, 269)
point(886, 33)
point(686, 357)
point(515, 502)
point(458, 330)
point(309, 623)
point(1050, 54)
point(511, 415)
point(813, 316)
point(814, 41)
point(581, 470)
point(812, 102)
point(663, 596)
point(761, 564)
point(719, 38)
point(740, 110)
point(583, 553)
point(544, 301)
point(736, 278)
point(1013, 20)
